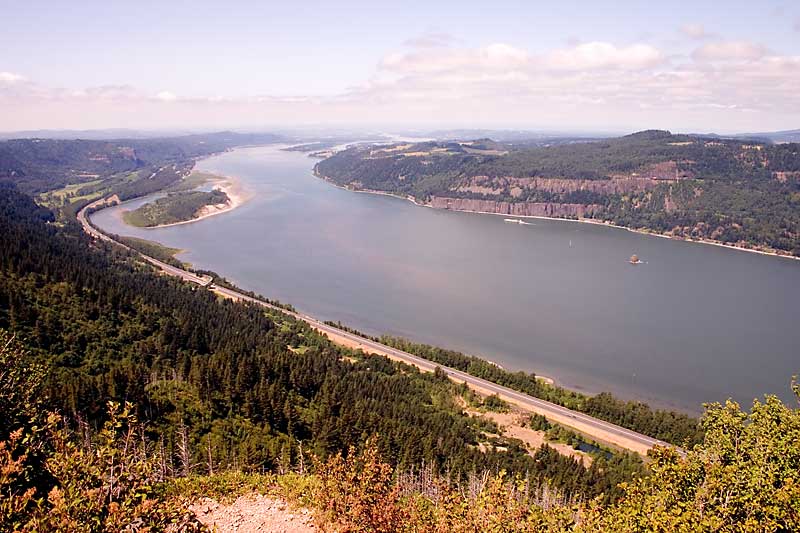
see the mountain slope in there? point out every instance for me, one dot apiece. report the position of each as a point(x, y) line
point(741, 193)
point(39, 165)
point(226, 383)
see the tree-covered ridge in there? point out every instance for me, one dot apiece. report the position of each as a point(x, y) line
point(224, 385)
point(694, 157)
point(744, 193)
point(175, 207)
point(39, 165)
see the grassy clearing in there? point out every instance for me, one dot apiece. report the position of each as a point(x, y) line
point(56, 197)
point(192, 181)
point(294, 487)
point(88, 190)
point(226, 486)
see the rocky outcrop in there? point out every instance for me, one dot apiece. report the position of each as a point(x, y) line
point(670, 206)
point(496, 186)
point(522, 209)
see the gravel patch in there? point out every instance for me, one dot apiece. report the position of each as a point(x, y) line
point(253, 513)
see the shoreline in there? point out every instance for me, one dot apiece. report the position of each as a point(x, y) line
point(569, 421)
point(231, 186)
point(596, 222)
point(549, 378)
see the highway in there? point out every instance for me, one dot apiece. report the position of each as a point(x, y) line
point(593, 427)
point(83, 218)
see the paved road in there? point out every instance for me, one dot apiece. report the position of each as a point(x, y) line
point(83, 218)
point(594, 427)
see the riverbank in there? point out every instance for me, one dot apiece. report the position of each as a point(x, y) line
point(651, 233)
point(232, 188)
point(578, 314)
point(565, 417)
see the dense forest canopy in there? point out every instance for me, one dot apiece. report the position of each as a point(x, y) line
point(740, 192)
point(232, 385)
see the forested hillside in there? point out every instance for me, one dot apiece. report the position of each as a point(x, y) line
point(741, 479)
point(222, 385)
point(738, 192)
point(39, 165)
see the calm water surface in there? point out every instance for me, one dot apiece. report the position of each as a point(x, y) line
point(696, 323)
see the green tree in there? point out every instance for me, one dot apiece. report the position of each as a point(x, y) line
point(745, 477)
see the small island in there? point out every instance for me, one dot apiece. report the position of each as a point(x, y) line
point(178, 207)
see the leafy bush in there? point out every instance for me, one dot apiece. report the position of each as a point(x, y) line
point(356, 492)
point(55, 480)
point(496, 403)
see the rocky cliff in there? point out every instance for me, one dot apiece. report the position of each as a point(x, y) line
point(516, 186)
point(539, 209)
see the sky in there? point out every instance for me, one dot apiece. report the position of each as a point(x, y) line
point(702, 66)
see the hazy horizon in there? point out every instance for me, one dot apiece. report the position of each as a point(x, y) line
point(570, 67)
point(318, 132)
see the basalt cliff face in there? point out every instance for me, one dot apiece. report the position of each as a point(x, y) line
point(517, 187)
point(522, 209)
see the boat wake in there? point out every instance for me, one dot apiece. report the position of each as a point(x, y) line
point(518, 221)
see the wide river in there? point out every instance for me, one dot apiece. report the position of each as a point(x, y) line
point(694, 324)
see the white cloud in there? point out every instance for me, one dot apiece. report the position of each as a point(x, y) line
point(11, 77)
point(722, 86)
point(729, 51)
point(166, 96)
point(694, 31)
point(501, 57)
point(601, 55)
point(431, 60)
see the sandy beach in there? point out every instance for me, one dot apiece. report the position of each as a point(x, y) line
point(232, 187)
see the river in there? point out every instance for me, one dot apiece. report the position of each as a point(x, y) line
point(694, 323)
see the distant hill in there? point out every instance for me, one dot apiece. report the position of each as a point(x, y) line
point(90, 135)
point(525, 137)
point(788, 136)
point(738, 192)
point(38, 165)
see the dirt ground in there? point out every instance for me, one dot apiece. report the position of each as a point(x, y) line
point(253, 513)
point(511, 425)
